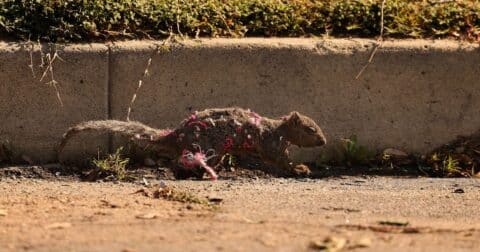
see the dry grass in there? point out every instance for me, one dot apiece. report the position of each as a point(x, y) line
point(114, 165)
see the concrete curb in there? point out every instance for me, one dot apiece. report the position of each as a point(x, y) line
point(32, 120)
point(416, 94)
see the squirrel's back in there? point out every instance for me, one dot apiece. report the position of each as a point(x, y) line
point(127, 128)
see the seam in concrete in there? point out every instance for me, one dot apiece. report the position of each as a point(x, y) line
point(109, 95)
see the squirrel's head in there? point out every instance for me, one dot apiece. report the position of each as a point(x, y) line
point(302, 131)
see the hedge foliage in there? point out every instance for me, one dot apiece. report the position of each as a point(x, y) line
point(86, 20)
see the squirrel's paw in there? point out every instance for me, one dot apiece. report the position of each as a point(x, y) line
point(301, 170)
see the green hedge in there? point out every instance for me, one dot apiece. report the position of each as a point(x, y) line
point(80, 20)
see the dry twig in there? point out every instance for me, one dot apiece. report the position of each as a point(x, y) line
point(159, 48)
point(49, 70)
point(378, 44)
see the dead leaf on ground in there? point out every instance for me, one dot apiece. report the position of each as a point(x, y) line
point(395, 153)
point(147, 216)
point(144, 192)
point(59, 225)
point(330, 244)
point(348, 210)
point(268, 240)
point(109, 204)
point(364, 242)
point(171, 194)
point(102, 213)
point(394, 223)
point(387, 229)
point(249, 221)
point(215, 199)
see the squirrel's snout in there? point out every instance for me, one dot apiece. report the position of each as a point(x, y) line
point(322, 141)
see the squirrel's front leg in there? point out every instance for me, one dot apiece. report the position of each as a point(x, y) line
point(285, 162)
point(280, 157)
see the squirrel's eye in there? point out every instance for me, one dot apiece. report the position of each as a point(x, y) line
point(312, 129)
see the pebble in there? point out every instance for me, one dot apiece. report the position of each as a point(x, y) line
point(149, 162)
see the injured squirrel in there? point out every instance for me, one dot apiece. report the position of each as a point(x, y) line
point(202, 139)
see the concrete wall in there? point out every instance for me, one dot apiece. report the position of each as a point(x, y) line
point(415, 95)
point(32, 120)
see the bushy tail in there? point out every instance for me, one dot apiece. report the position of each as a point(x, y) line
point(130, 129)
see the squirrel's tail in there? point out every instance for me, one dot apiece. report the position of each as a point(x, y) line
point(130, 129)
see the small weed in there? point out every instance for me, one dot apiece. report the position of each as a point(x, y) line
point(170, 193)
point(230, 160)
point(354, 153)
point(394, 223)
point(451, 166)
point(322, 160)
point(173, 194)
point(346, 152)
point(113, 165)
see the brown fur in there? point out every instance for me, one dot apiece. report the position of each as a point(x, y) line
point(227, 130)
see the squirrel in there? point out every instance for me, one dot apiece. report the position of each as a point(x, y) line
point(201, 140)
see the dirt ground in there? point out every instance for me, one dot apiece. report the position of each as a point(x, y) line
point(64, 214)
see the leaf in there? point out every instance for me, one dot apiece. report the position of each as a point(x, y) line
point(394, 223)
point(330, 244)
point(147, 216)
point(59, 225)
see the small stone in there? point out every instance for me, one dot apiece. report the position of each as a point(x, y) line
point(149, 162)
point(147, 216)
point(215, 199)
point(27, 159)
point(3, 212)
point(363, 243)
point(460, 150)
point(459, 190)
point(302, 169)
point(59, 225)
point(395, 153)
point(330, 244)
point(145, 182)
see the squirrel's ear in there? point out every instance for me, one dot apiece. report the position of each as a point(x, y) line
point(294, 118)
